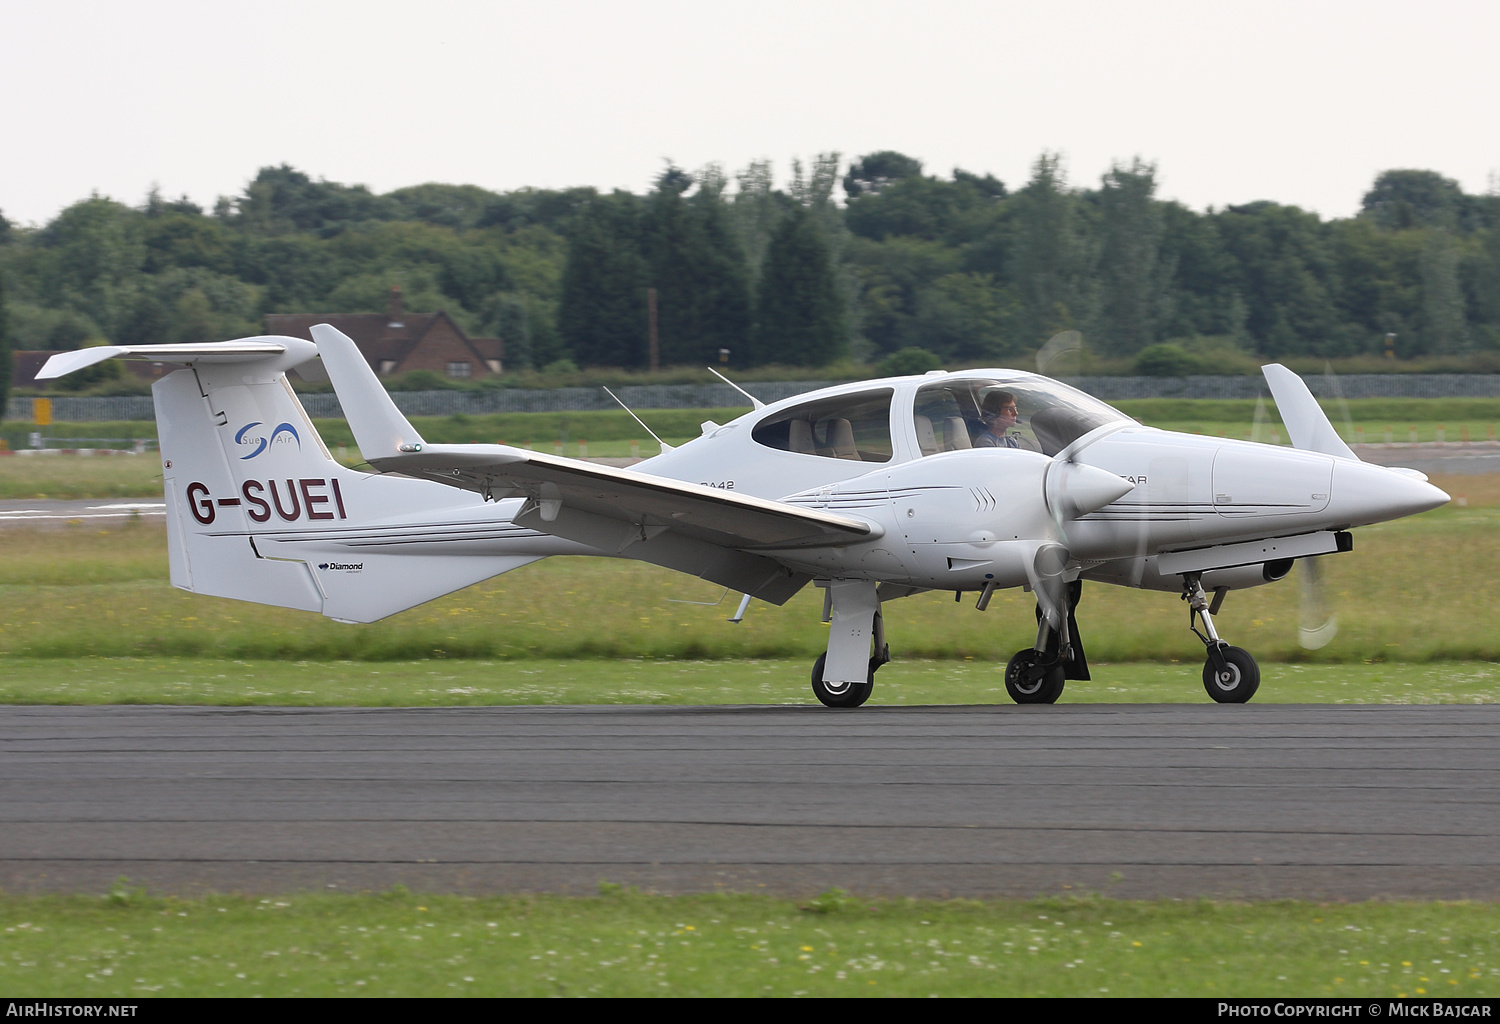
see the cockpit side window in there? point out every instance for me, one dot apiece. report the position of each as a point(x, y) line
point(943, 423)
point(855, 427)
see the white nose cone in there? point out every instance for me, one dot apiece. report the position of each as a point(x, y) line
point(1365, 493)
point(1074, 489)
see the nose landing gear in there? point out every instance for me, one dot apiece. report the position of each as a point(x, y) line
point(1230, 675)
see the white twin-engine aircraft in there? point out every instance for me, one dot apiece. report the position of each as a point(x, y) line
point(963, 482)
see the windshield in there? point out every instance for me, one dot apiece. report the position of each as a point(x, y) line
point(1036, 414)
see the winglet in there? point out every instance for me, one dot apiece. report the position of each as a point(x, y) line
point(379, 428)
point(1306, 423)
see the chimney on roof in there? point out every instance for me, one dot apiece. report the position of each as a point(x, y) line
point(395, 320)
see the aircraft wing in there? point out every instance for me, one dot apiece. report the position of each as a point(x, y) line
point(716, 534)
point(650, 504)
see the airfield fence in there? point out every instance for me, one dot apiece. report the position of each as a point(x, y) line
point(719, 396)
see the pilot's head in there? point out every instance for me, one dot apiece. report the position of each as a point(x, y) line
point(999, 411)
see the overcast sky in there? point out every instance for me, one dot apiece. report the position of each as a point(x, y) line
point(1299, 102)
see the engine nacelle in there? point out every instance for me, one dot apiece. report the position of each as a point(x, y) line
point(1142, 572)
point(1243, 576)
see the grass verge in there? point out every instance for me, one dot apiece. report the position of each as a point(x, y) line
point(623, 943)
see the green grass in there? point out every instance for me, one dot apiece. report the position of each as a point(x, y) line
point(74, 476)
point(1243, 410)
point(16, 434)
point(623, 943)
point(459, 428)
point(63, 476)
point(1425, 431)
point(1360, 421)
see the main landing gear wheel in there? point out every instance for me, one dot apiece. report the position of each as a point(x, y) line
point(1230, 675)
point(1238, 679)
point(1025, 687)
point(842, 695)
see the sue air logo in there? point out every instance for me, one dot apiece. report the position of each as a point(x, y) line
point(284, 433)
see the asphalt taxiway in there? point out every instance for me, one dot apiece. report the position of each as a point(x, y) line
point(1253, 801)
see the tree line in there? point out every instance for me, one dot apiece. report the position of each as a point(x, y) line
point(849, 260)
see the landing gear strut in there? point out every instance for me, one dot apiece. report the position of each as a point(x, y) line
point(1036, 675)
point(1230, 675)
point(844, 675)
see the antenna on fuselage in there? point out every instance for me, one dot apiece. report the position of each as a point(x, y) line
point(664, 446)
point(756, 401)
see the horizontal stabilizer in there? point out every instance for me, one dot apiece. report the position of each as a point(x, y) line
point(284, 353)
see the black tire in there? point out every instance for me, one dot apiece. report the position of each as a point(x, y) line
point(1236, 685)
point(851, 696)
point(1022, 690)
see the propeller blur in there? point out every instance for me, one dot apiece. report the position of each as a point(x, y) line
point(966, 482)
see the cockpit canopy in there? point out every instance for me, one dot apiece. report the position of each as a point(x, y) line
point(948, 415)
point(953, 414)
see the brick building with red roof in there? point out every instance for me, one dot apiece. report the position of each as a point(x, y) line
point(395, 342)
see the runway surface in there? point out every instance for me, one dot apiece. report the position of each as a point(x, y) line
point(1130, 800)
point(44, 513)
point(1463, 459)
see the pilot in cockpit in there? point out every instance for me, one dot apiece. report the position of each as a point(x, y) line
point(998, 414)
